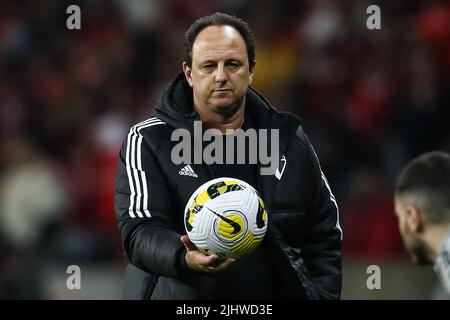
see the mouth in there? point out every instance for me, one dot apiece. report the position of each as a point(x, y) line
point(221, 90)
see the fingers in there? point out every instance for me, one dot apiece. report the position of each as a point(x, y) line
point(197, 261)
point(223, 265)
point(220, 266)
point(203, 259)
point(188, 243)
point(212, 264)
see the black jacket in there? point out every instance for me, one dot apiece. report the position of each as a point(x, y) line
point(303, 237)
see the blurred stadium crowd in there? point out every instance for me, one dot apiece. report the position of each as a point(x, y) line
point(371, 100)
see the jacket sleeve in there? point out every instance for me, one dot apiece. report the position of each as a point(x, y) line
point(322, 247)
point(145, 212)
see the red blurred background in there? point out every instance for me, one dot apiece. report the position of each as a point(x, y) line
point(371, 101)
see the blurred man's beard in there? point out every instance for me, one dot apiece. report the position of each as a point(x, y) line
point(420, 252)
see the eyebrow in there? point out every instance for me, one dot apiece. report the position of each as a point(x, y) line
point(208, 61)
point(215, 61)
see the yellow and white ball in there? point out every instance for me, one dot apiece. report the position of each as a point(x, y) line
point(226, 216)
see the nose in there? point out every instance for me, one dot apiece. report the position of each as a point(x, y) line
point(221, 75)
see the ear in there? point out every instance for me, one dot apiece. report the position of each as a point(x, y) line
point(250, 78)
point(187, 73)
point(413, 219)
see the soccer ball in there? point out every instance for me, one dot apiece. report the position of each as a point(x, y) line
point(226, 216)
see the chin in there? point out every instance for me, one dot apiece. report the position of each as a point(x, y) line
point(223, 103)
point(420, 254)
point(229, 108)
point(420, 261)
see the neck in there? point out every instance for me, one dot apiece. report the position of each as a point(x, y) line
point(222, 122)
point(435, 237)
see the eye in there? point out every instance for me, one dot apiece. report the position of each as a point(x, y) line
point(208, 67)
point(233, 65)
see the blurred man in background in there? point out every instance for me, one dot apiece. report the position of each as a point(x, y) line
point(422, 205)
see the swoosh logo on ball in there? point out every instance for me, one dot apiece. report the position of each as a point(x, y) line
point(236, 227)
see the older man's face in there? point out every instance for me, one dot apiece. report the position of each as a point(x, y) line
point(220, 73)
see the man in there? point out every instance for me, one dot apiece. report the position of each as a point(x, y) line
point(300, 256)
point(422, 205)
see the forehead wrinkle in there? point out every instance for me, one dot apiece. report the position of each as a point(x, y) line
point(218, 52)
point(217, 48)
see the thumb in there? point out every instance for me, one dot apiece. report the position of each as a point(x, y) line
point(188, 243)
